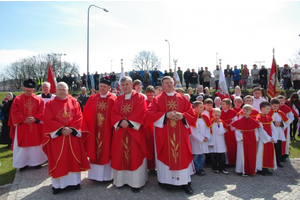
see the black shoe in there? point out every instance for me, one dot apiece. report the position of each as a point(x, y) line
point(188, 189)
point(23, 168)
point(262, 173)
point(55, 190)
point(135, 190)
point(268, 172)
point(200, 172)
point(280, 165)
point(8, 146)
point(38, 167)
point(216, 171)
point(76, 187)
point(225, 172)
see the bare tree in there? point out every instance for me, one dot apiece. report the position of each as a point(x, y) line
point(34, 67)
point(146, 60)
point(295, 59)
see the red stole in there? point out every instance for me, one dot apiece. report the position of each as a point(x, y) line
point(229, 136)
point(97, 128)
point(253, 114)
point(268, 154)
point(148, 131)
point(128, 145)
point(247, 126)
point(285, 109)
point(65, 153)
point(22, 107)
point(172, 141)
point(281, 114)
point(291, 107)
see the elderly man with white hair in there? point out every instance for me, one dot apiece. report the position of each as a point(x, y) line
point(62, 140)
point(46, 95)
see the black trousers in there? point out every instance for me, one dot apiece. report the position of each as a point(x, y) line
point(293, 128)
point(217, 161)
point(236, 83)
point(96, 85)
point(201, 81)
point(277, 147)
point(187, 85)
point(217, 83)
point(206, 84)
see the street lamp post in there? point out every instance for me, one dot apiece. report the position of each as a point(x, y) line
point(216, 58)
point(169, 54)
point(60, 55)
point(220, 62)
point(88, 24)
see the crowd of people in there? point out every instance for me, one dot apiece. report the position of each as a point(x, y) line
point(165, 131)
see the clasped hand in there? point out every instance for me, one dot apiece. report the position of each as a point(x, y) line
point(66, 131)
point(29, 120)
point(174, 115)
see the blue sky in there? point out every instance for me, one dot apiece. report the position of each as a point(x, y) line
point(240, 32)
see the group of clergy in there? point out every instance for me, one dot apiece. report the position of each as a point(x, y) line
point(108, 138)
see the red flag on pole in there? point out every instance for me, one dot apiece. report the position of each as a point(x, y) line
point(273, 87)
point(51, 79)
point(222, 87)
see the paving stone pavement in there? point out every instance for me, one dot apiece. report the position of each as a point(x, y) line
point(284, 184)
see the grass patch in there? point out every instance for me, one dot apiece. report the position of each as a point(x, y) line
point(295, 147)
point(7, 172)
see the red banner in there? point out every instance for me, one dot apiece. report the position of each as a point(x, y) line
point(51, 79)
point(273, 87)
point(222, 87)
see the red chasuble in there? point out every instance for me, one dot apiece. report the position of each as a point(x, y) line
point(268, 155)
point(230, 139)
point(172, 141)
point(97, 129)
point(247, 126)
point(128, 145)
point(22, 107)
point(65, 153)
point(148, 131)
point(285, 109)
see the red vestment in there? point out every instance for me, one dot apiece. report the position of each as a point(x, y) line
point(172, 141)
point(128, 144)
point(247, 126)
point(97, 129)
point(285, 109)
point(23, 106)
point(230, 139)
point(148, 131)
point(253, 114)
point(268, 154)
point(65, 153)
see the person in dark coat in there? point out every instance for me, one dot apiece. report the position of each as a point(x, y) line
point(84, 96)
point(4, 136)
point(75, 95)
point(155, 76)
point(186, 76)
point(263, 75)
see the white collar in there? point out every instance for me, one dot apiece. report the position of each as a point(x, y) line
point(170, 94)
point(128, 96)
point(104, 96)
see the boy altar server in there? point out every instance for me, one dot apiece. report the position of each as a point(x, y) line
point(266, 153)
point(216, 144)
point(199, 138)
point(280, 122)
point(247, 132)
point(62, 140)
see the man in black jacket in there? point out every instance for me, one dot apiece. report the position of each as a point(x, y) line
point(186, 76)
point(155, 76)
point(84, 96)
point(96, 80)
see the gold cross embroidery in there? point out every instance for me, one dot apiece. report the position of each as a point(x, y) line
point(172, 105)
point(30, 106)
point(102, 106)
point(174, 147)
point(100, 119)
point(126, 108)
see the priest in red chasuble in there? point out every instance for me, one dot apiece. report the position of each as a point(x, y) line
point(25, 121)
point(172, 114)
point(129, 149)
point(97, 134)
point(62, 140)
